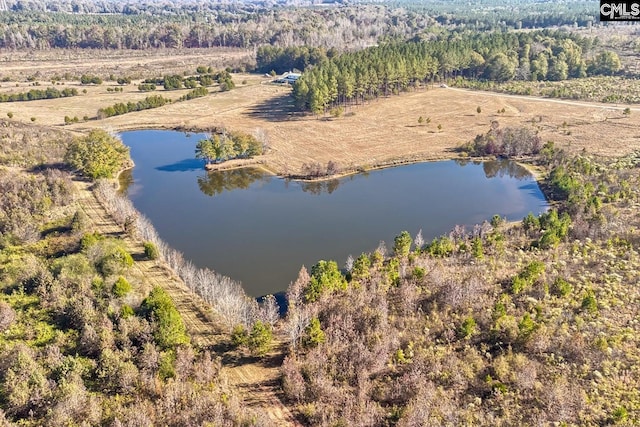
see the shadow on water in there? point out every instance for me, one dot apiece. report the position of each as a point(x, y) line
point(217, 182)
point(186, 165)
point(531, 188)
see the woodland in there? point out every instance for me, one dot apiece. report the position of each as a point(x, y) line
point(533, 322)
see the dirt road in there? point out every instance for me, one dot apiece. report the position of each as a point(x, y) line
point(552, 100)
point(257, 380)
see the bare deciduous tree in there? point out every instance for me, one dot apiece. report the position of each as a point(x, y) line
point(225, 295)
point(418, 241)
point(269, 311)
point(348, 266)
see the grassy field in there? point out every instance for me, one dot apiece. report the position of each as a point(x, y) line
point(381, 132)
point(138, 64)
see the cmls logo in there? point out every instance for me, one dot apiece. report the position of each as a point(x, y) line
point(619, 11)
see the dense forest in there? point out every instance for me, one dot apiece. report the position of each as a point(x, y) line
point(132, 25)
point(395, 67)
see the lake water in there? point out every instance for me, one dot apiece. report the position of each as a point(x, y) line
point(260, 229)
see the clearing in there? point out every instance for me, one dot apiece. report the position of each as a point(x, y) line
point(381, 132)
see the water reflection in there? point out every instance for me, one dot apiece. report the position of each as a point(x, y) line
point(499, 168)
point(260, 230)
point(125, 180)
point(319, 187)
point(217, 182)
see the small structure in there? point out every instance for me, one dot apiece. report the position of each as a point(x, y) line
point(289, 78)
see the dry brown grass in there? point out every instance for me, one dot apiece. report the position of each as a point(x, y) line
point(139, 64)
point(381, 132)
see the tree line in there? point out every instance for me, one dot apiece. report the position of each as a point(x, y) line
point(282, 59)
point(398, 66)
point(153, 101)
point(204, 77)
point(131, 25)
point(36, 94)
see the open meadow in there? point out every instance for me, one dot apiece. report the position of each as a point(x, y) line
point(380, 132)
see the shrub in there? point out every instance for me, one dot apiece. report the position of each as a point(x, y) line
point(195, 93)
point(504, 142)
point(79, 222)
point(89, 240)
point(525, 279)
point(418, 273)
point(260, 338)
point(561, 287)
point(526, 326)
point(122, 287)
point(589, 302)
point(468, 327)
point(74, 266)
point(172, 82)
point(126, 311)
point(620, 415)
point(314, 334)
point(146, 87)
point(166, 368)
point(337, 111)
point(239, 336)
point(170, 330)
point(151, 251)
point(86, 79)
point(112, 258)
point(7, 316)
point(153, 101)
point(440, 247)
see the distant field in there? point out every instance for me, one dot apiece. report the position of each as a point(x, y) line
point(45, 64)
point(380, 132)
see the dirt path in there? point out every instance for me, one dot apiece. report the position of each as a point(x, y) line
point(552, 100)
point(256, 380)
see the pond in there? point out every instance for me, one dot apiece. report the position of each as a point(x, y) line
point(260, 229)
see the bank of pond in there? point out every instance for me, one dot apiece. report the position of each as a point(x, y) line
point(260, 229)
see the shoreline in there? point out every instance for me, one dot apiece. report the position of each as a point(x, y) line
point(260, 162)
